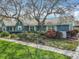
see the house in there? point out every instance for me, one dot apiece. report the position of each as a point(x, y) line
point(23, 25)
point(76, 26)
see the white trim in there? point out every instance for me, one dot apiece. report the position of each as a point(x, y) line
point(12, 28)
point(34, 28)
point(20, 28)
point(46, 28)
point(29, 28)
point(55, 28)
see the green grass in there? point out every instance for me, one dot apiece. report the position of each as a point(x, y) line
point(9, 50)
point(63, 43)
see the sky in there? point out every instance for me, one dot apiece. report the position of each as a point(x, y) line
point(75, 10)
point(76, 13)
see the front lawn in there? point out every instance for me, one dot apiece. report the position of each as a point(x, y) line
point(9, 50)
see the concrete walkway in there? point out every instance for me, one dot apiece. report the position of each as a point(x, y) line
point(76, 55)
point(65, 52)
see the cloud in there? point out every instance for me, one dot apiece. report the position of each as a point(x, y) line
point(76, 15)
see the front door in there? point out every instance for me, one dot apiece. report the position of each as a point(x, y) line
point(19, 28)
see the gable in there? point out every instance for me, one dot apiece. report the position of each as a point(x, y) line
point(19, 23)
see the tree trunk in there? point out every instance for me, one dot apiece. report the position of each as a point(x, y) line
point(40, 25)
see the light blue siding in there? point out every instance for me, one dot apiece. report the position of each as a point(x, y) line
point(62, 27)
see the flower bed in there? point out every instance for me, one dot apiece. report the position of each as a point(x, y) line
point(42, 38)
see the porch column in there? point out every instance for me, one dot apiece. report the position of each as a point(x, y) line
point(70, 27)
point(34, 28)
point(46, 28)
point(55, 28)
point(12, 28)
point(29, 28)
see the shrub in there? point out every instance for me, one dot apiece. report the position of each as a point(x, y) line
point(29, 36)
point(72, 33)
point(22, 35)
point(51, 33)
point(58, 35)
point(42, 33)
point(13, 36)
point(4, 34)
point(77, 31)
point(32, 36)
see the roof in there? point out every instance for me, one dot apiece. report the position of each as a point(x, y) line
point(66, 20)
point(9, 21)
point(28, 22)
point(51, 21)
point(76, 23)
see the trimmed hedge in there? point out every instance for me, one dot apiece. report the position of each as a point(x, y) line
point(13, 36)
point(4, 34)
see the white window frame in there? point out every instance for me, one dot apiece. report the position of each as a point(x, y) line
point(19, 28)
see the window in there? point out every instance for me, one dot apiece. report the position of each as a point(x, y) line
point(9, 28)
point(44, 28)
point(4, 29)
point(26, 28)
point(52, 27)
point(63, 27)
point(31, 28)
point(0, 29)
point(49, 27)
point(14, 28)
point(37, 28)
point(19, 28)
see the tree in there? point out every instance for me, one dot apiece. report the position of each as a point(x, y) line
point(37, 9)
point(11, 8)
point(40, 9)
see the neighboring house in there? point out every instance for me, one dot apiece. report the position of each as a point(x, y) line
point(70, 20)
point(22, 25)
point(76, 26)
